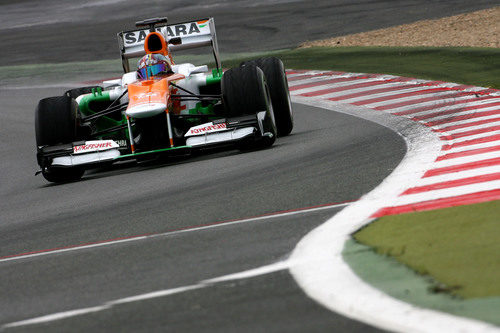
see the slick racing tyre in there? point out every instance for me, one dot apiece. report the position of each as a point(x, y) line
point(56, 123)
point(245, 92)
point(74, 93)
point(274, 70)
point(55, 120)
point(63, 175)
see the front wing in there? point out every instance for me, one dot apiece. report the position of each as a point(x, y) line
point(94, 153)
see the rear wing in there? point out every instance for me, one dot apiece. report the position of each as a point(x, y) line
point(193, 34)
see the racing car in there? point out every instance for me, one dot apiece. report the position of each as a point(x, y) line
point(162, 107)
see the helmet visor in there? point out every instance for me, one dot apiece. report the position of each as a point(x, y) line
point(149, 71)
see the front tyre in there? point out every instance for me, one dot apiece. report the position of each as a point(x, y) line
point(275, 74)
point(56, 123)
point(63, 175)
point(245, 92)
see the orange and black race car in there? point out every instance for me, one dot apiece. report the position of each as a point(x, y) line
point(161, 107)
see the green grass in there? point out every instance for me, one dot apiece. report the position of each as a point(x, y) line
point(459, 247)
point(475, 66)
point(400, 282)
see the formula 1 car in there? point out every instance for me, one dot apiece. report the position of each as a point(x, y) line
point(170, 112)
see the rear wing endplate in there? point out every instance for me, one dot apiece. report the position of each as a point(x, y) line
point(193, 34)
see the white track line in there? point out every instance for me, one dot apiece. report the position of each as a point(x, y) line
point(279, 266)
point(165, 292)
point(170, 233)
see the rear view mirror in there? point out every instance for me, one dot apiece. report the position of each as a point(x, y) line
point(175, 41)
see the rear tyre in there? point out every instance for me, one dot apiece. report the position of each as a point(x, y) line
point(245, 92)
point(56, 123)
point(274, 71)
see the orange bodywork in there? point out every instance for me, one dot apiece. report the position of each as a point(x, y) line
point(148, 98)
point(152, 91)
point(164, 45)
point(147, 92)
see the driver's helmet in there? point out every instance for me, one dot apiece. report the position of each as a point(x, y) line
point(153, 64)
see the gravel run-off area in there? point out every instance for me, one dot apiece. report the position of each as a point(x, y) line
point(476, 29)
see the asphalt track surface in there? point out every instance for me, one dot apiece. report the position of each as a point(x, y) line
point(329, 158)
point(49, 31)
